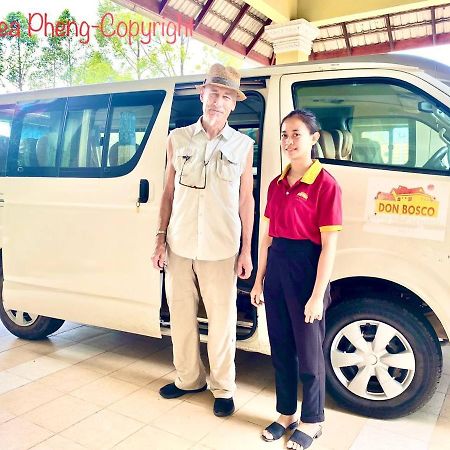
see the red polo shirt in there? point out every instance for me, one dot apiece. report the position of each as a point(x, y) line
point(312, 205)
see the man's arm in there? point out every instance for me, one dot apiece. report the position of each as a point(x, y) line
point(246, 213)
point(165, 210)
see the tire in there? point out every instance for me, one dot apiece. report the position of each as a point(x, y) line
point(367, 339)
point(25, 325)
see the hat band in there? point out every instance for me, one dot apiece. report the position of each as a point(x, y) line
point(224, 81)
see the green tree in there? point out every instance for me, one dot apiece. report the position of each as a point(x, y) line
point(168, 59)
point(98, 69)
point(209, 54)
point(157, 58)
point(22, 52)
point(59, 59)
point(67, 49)
point(50, 65)
point(131, 57)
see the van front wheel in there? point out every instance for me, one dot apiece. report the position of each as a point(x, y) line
point(382, 360)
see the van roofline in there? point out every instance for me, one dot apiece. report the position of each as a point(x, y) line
point(407, 63)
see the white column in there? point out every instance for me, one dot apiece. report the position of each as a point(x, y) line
point(292, 41)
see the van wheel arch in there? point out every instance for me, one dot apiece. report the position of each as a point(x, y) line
point(357, 287)
point(24, 325)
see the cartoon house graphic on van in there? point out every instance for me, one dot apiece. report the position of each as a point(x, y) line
point(407, 201)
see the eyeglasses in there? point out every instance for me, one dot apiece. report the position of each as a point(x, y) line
point(195, 178)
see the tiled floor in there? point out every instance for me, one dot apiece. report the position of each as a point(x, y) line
point(87, 387)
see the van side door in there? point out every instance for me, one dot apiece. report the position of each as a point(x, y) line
point(77, 240)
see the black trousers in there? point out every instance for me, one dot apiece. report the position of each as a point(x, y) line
point(296, 346)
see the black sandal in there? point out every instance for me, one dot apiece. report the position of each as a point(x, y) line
point(277, 430)
point(303, 439)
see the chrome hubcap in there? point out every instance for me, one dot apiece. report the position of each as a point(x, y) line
point(22, 319)
point(373, 360)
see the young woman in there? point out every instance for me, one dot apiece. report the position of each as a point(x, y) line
point(295, 264)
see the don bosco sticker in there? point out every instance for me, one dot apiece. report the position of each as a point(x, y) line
point(409, 209)
point(407, 201)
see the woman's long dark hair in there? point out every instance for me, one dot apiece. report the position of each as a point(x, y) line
point(311, 122)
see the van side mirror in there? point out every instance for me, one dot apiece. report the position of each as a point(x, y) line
point(425, 107)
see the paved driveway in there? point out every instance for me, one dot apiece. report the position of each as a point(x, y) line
point(88, 387)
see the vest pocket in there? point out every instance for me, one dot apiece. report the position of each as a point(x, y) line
point(182, 155)
point(226, 169)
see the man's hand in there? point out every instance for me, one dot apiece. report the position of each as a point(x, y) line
point(244, 265)
point(159, 255)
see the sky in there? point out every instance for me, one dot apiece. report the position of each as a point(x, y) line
point(87, 10)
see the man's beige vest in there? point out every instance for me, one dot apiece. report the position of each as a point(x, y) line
point(205, 222)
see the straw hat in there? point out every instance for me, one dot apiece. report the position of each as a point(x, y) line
point(227, 77)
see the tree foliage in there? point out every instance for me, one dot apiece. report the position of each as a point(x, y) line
point(68, 48)
point(130, 57)
point(98, 69)
point(209, 54)
point(22, 57)
point(143, 60)
point(35, 62)
point(50, 65)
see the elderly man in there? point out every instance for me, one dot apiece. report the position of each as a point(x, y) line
point(206, 207)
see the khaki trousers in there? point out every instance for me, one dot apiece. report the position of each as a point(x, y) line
point(215, 282)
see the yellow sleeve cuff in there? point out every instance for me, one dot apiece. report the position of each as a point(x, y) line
point(331, 228)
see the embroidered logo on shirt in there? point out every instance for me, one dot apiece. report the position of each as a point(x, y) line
point(303, 195)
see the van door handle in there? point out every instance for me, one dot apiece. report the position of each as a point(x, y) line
point(144, 189)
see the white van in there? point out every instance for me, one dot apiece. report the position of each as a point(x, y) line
point(82, 175)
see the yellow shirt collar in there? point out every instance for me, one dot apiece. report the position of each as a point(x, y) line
point(310, 175)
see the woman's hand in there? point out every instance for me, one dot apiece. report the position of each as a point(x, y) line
point(255, 294)
point(314, 309)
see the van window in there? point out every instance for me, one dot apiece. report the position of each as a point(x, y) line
point(253, 132)
point(37, 128)
point(378, 122)
point(84, 132)
point(132, 117)
point(84, 136)
point(6, 118)
point(126, 136)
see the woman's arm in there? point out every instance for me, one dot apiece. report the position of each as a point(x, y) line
point(255, 295)
point(314, 306)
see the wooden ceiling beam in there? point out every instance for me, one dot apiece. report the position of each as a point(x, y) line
point(162, 6)
point(389, 32)
point(346, 38)
point(206, 7)
point(258, 35)
point(433, 24)
point(235, 22)
point(272, 59)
